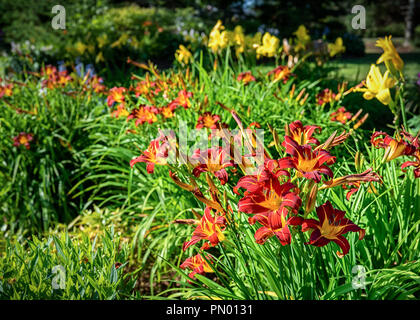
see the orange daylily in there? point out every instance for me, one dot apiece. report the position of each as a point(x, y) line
point(281, 73)
point(197, 264)
point(156, 153)
point(208, 120)
point(209, 228)
point(23, 139)
point(341, 115)
point(301, 134)
point(143, 114)
point(394, 147)
point(246, 77)
point(116, 95)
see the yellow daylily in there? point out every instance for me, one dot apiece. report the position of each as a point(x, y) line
point(377, 86)
point(122, 40)
point(218, 39)
point(269, 47)
point(302, 38)
point(102, 40)
point(390, 53)
point(337, 47)
point(182, 55)
point(80, 47)
point(239, 40)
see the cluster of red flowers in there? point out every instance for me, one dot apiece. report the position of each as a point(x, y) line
point(146, 113)
point(404, 144)
point(274, 201)
point(272, 196)
point(54, 78)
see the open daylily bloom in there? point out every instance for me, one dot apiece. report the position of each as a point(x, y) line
point(331, 227)
point(281, 73)
point(121, 111)
point(143, 114)
point(246, 77)
point(415, 164)
point(336, 47)
point(308, 163)
point(23, 139)
point(390, 53)
point(394, 147)
point(341, 115)
point(209, 228)
point(168, 111)
point(182, 55)
point(197, 264)
point(218, 39)
point(183, 99)
point(275, 224)
point(116, 95)
point(416, 144)
point(267, 195)
point(302, 38)
point(301, 134)
point(213, 160)
point(265, 177)
point(239, 40)
point(145, 87)
point(6, 90)
point(377, 86)
point(208, 120)
point(269, 47)
point(156, 153)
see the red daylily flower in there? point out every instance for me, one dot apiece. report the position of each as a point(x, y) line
point(271, 196)
point(144, 114)
point(331, 227)
point(301, 134)
point(281, 73)
point(116, 94)
point(245, 77)
point(275, 224)
point(210, 228)
point(168, 111)
point(156, 153)
point(307, 162)
point(6, 90)
point(197, 264)
point(394, 147)
point(341, 115)
point(183, 99)
point(208, 120)
point(145, 87)
point(213, 160)
point(121, 111)
point(23, 139)
point(416, 144)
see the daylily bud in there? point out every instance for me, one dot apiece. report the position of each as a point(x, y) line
point(358, 161)
point(311, 199)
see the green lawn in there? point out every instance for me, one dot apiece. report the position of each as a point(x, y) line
point(356, 69)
